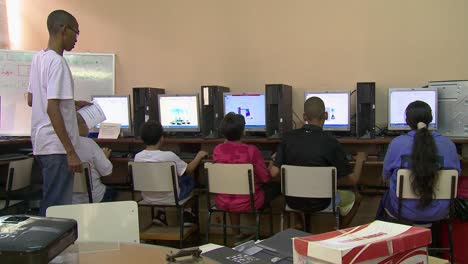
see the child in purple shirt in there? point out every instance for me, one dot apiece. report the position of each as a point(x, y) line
point(424, 152)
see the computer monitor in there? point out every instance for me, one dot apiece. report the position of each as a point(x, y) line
point(250, 105)
point(400, 98)
point(179, 113)
point(337, 105)
point(116, 108)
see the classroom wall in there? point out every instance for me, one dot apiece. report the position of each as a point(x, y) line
point(4, 40)
point(310, 44)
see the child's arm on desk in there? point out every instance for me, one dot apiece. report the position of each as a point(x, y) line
point(195, 162)
point(353, 178)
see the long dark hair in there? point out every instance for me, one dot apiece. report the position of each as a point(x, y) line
point(424, 154)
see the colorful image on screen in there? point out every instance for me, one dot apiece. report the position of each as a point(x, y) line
point(337, 107)
point(179, 112)
point(116, 109)
point(400, 98)
point(251, 106)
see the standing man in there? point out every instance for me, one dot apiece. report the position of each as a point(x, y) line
point(54, 129)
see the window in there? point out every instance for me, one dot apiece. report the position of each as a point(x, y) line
point(4, 38)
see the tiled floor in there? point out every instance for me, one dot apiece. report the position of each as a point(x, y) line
point(367, 210)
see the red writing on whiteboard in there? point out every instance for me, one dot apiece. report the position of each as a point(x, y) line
point(7, 73)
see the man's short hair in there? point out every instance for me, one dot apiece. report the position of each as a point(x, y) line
point(314, 108)
point(58, 18)
point(151, 132)
point(232, 126)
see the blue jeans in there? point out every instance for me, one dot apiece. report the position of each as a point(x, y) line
point(57, 181)
point(109, 195)
point(186, 185)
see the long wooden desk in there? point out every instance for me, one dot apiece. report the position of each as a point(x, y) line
point(125, 253)
point(371, 175)
point(119, 253)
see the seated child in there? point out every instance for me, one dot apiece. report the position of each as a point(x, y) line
point(152, 136)
point(234, 151)
point(424, 152)
point(98, 159)
point(313, 147)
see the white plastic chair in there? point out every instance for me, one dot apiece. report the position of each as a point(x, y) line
point(18, 180)
point(102, 222)
point(235, 179)
point(445, 187)
point(161, 177)
point(309, 182)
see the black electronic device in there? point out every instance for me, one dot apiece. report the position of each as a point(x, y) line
point(212, 109)
point(145, 106)
point(278, 105)
point(12, 156)
point(365, 109)
point(34, 239)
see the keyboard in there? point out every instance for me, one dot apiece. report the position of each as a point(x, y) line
point(119, 154)
point(187, 155)
point(267, 154)
point(183, 135)
point(12, 156)
point(9, 137)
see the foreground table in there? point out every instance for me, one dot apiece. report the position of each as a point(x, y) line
point(119, 253)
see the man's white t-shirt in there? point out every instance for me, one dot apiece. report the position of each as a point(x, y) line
point(89, 151)
point(160, 156)
point(51, 78)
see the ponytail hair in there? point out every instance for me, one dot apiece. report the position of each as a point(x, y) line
point(423, 163)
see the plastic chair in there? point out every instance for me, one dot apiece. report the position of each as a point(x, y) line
point(309, 182)
point(445, 187)
point(102, 222)
point(82, 182)
point(18, 183)
point(237, 179)
point(161, 177)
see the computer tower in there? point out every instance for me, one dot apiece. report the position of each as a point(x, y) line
point(145, 106)
point(278, 109)
point(452, 107)
point(212, 109)
point(365, 109)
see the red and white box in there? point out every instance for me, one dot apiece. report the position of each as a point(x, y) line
point(378, 242)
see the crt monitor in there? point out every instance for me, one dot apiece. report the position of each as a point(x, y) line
point(179, 113)
point(250, 105)
point(337, 105)
point(400, 98)
point(116, 108)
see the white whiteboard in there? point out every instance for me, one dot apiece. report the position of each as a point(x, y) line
point(94, 74)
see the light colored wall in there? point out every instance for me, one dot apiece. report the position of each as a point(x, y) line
point(4, 40)
point(310, 44)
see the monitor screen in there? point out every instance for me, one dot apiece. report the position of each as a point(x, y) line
point(337, 105)
point(116, 108)
point(250, 105)
point(179, 113)
point(400, 98)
